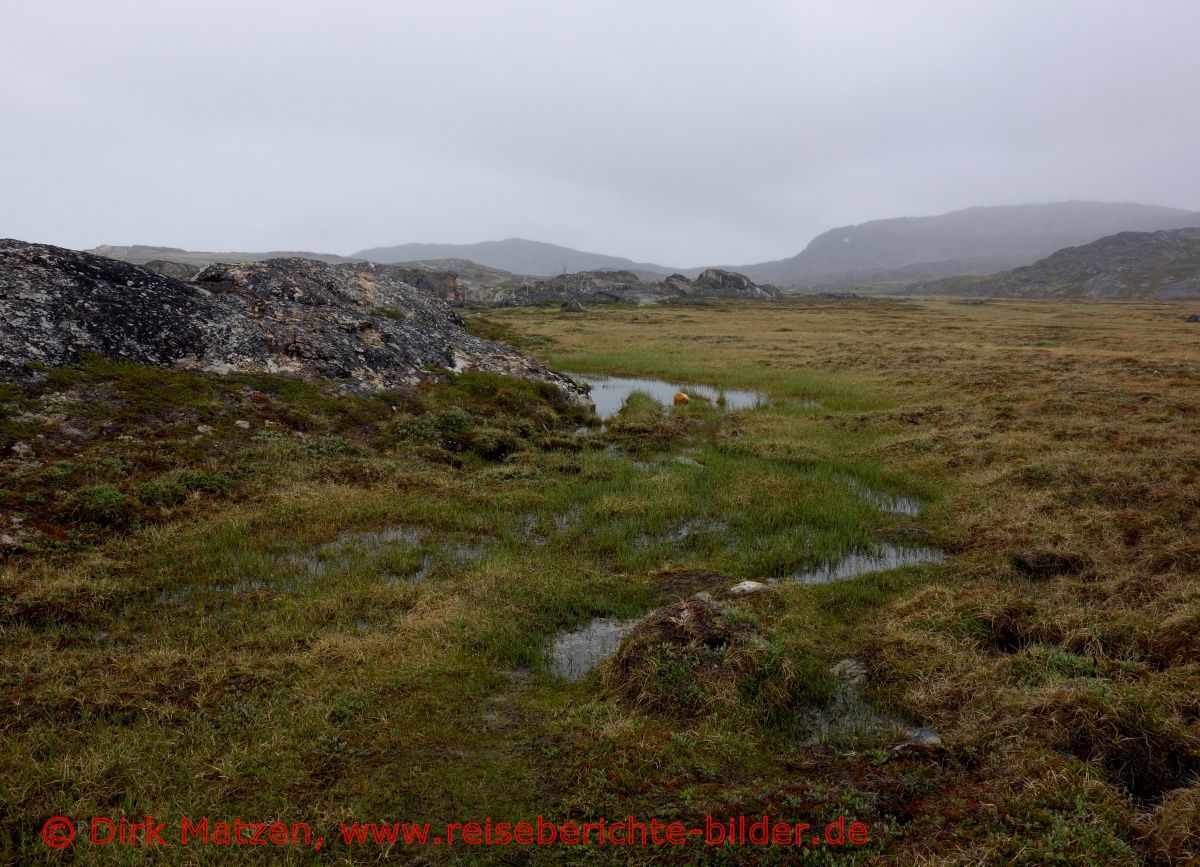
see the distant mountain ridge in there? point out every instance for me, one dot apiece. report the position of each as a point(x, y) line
point(516, 255)
point(972, 241)
point(140, 254)
point(980, 240)
point(1128, 266)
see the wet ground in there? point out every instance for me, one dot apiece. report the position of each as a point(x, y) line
point(884, 557)
point(573, 654)
point(609, 393)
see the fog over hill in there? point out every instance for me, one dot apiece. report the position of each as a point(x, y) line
point(980, 240)
point(517, 255)
point(973, 241)
point(1129, 265)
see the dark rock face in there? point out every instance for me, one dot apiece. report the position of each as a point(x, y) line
point(678, 285)
point(357, 324)
point(730, 284)
point(56, 304)
point(441, 284)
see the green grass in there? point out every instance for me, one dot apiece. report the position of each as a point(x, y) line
point(341, 610)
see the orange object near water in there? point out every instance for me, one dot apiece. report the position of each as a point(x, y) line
point(680, 397)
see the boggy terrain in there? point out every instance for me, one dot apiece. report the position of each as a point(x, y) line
point(247, 597)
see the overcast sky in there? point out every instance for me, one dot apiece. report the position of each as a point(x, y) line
point(683, 133)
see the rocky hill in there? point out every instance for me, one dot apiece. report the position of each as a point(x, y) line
point(1128, 265)
point(515, 255)
point(359, 325)
point(580, 289)
point(972, 241)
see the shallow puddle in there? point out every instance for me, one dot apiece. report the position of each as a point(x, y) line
point(896, 504)
point(849, 716)
point(417, 575)
point(865, 562)
point(573, 654)
point(465, 552)
point(186, 595)
point(609, 393)
point(534, 531)
point(682, 532)
point(318, 560)
point(339, 550)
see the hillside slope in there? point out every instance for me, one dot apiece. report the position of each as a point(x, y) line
point(1128, 265)
point(972, 241)
point(532, 258)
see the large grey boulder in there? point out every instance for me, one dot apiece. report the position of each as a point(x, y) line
point(730, 284)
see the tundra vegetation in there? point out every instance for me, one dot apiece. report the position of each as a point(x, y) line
point(245, 597)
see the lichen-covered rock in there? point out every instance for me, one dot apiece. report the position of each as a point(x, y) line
point(730, 284)
point(358, 325)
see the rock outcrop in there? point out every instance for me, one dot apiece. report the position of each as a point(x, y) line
point(358, 325)
point(715, 283)
point(586, 288)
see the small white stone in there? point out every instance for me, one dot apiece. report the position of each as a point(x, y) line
point(22, 450)
point(745, 588)
point(243, 424)
point(204, 429)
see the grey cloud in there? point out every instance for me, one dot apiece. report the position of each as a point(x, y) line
point(677, 132)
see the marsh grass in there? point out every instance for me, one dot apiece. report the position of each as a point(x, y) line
point(344, 614)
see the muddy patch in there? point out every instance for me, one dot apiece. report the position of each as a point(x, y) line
point(573, 654)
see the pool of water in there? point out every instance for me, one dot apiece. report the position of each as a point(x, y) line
point(896, 504)
point(864, 562)
point(573, 654)
point(609, 393)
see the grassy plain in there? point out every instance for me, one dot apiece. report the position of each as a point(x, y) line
point(208, 621)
